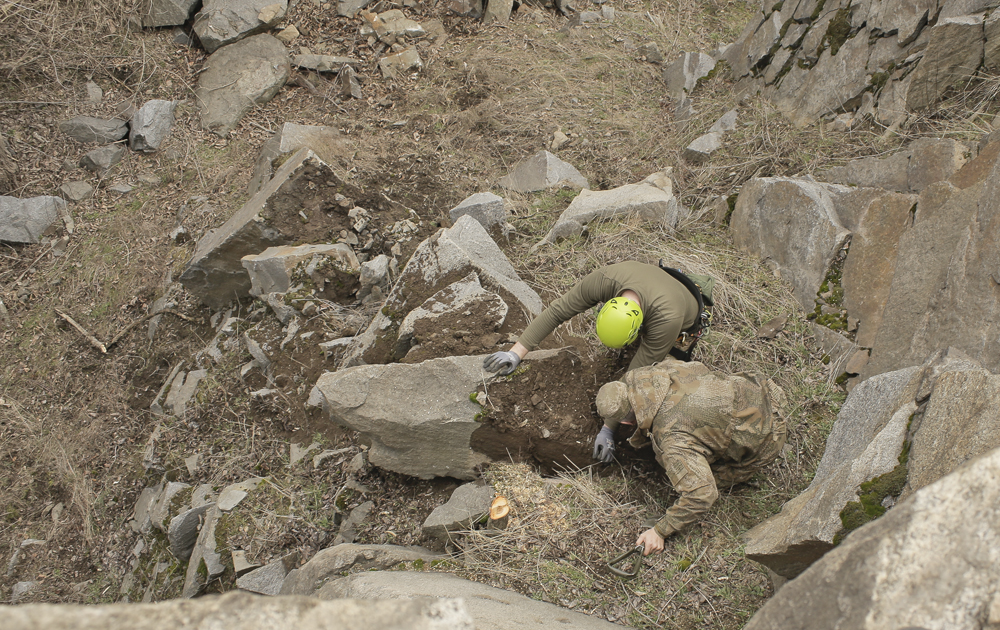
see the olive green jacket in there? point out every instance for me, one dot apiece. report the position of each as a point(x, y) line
point(706, 428)
point(667, 307)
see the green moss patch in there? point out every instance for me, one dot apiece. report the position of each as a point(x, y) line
point(869, 506)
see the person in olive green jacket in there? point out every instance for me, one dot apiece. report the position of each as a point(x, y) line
point(649, 302)
point(707, 429)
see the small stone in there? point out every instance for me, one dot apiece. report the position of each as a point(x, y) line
point(288, 34)
point(94, 92)
point(76, 191)
point(121, 189)
point(651, 52)
point(102, 159)
point(357, 465)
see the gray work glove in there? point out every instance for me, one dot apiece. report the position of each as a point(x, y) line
point(604, 446)
point(502, 362)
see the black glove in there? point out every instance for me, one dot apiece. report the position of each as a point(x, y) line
point(502, 362)
point(604, 446)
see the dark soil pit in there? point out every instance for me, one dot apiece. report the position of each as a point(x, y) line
point(544, 413)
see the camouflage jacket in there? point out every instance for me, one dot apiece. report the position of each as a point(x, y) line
point(706, 428)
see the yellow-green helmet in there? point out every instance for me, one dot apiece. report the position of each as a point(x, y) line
point(618, 322)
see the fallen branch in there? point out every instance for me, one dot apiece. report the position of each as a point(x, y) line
point(147, 317)
point(92, 339)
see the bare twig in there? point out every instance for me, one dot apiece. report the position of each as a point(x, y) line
point(89, 337)
point(147, 317)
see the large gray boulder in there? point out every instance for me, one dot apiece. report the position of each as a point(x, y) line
point(90, 130)
point(419, 418)
point(325, 142)
point(157, 13)
point(652, 199)
point(793, 224)
point(151, 124)
point(930, 562)
point(490, 607)
point(446, 257)
point(906, 335)
point(25, 220)
point(333, 562)
point(922, 163)
point(953, 54)
point(865, 442)
point(871, 261)
point(222, 22)
point(239, 77)
point(215, 273)
point(960, 424)
point(541, 172)
point(247, 612)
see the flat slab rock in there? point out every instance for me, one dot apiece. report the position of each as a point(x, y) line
point(331, 563)
point(490, 607)
point(238, 77)
point(543, 171)
point(247, 612)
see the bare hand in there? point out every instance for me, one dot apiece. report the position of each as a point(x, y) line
point(651, 540)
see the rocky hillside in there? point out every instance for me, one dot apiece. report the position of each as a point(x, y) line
point(254, 254)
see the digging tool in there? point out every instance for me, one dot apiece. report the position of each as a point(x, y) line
point(637, 551)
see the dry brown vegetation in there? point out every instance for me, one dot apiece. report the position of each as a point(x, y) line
point(74, 422)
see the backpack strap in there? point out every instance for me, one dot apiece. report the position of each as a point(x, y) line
point(703, 319)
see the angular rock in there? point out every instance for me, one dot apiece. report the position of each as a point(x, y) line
point(215, 273)
point(94, 130)
point(237, 78)
point(889, 172)
point(103, 159)
point(325, 142)
point(543, 171)
point(208, 560)
point(222, 22)
point(701, 149)
point(157, 13)
point(25, 220)
point(423, 428)
point(907, 334)
point(793, 224)
point(958, 425)
point(182, 533)
point(349, 84)
point(247, 612)
point(331, 563)
point(865, 442)
point(150, 125)
point(468, 504)
point(324, 63)
point(288, 34)
point(267, 580)
point(445, 257)
point(871, 261)
point(167, 505)
point(652, 199)
point(498, 11)
point(141, 522)
point(489, 607)
point(374, 273)
point(906, 19)
point(391, 26)
point(272, 270)
point(182, 390)
point(930, 558)
point(832, 85)
point(20, 590)
point(76, 191)
point(465, 298)
point(485, 207)
point(349, 528)
point(991, 48)
point(468, 8)
point(405, 61)
point(951, 58)
point(350, 8)
point(683, 75)
point(933, 160)
point(726, 123)
point(651, 52)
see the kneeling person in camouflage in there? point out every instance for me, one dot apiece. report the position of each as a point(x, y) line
point(707, 429)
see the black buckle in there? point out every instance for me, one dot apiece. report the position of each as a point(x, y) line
point(636, 564)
